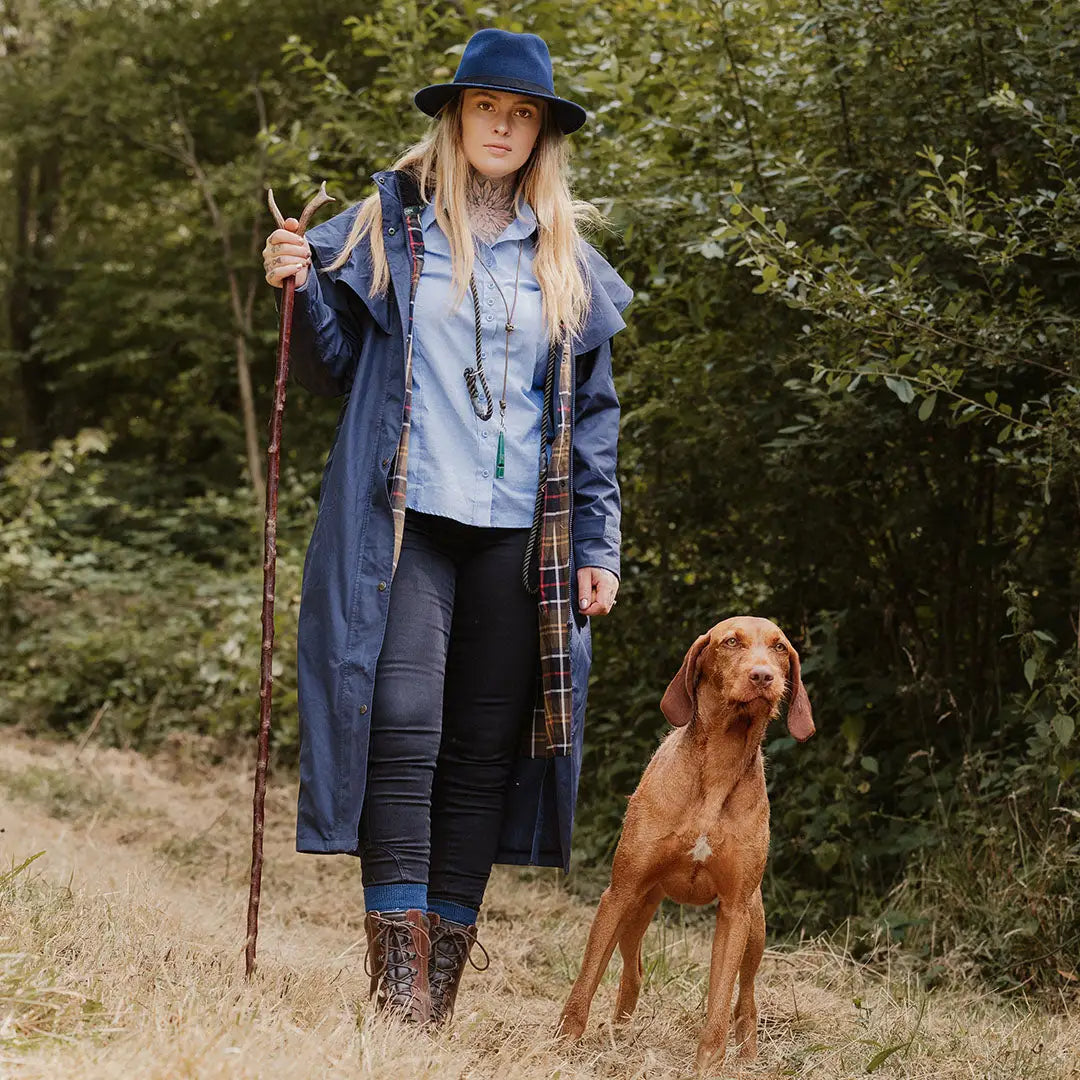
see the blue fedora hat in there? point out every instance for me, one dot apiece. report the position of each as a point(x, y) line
point(501, 60)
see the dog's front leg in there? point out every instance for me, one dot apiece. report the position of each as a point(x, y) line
point(746, 1013)
point(633, 930)
point(729, 944)
point(615, 904)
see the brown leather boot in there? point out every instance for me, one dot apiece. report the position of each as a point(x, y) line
point(451, 946)
point(397, 961)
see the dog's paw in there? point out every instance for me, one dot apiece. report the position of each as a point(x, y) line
point(709, 1060)
point(571, 1027)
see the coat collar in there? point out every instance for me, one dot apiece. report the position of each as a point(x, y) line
point(609, 293)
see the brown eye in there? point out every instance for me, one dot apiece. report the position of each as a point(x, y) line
point(780, 647)
point(731, 642)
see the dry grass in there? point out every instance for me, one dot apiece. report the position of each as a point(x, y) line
point(121, 956)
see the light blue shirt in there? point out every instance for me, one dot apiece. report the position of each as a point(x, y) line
point(451, 450)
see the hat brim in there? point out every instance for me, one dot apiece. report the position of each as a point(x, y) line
point(568, 115)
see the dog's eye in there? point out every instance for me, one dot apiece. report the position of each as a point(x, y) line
point(779, 647)
point(731, 642)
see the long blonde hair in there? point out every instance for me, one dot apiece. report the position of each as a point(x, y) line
point(441, 170)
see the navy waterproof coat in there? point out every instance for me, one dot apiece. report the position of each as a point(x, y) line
point(347, 342)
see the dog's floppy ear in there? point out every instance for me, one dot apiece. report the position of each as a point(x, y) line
point(680, 697)
point(800, 717)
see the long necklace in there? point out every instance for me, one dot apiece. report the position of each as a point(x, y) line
point(473, 375)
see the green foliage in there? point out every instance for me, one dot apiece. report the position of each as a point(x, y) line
point(998, 901)
point(959, 505)
point(135, 630)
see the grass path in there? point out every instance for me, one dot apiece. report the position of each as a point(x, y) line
point(121, 955)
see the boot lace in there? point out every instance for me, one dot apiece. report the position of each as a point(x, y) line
point(395, 936)
point(451, 946)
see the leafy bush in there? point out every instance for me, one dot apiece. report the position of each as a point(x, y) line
point(132, 629)
point(997, 898)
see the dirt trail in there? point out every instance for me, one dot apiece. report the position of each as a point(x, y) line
point(121, 955)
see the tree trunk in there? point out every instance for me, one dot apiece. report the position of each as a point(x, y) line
point(242, 308)
point(247, 408)
point(36, 183)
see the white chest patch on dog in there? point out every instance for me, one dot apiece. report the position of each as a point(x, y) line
point(701, 850)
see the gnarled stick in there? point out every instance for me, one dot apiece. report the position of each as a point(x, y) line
point(266, 675)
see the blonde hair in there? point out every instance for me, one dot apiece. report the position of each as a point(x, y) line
point(441, 170)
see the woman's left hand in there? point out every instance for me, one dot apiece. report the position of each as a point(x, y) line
point(596, 590)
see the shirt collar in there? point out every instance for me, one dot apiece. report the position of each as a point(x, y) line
point(522, 227)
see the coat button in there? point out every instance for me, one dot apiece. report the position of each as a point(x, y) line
point(382, 586)
point(391, 231)
point(363, 710)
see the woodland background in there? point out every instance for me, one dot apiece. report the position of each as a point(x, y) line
point(849, 390)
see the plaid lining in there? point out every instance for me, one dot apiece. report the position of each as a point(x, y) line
point(552, 716)
point(550, 735)
point(399, 471)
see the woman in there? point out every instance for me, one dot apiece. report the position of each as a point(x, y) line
point(469, 326)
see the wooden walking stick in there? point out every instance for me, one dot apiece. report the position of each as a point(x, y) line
point(266, 675)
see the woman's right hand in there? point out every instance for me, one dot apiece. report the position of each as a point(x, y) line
point(286, 255)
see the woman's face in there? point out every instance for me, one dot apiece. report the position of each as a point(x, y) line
point(499, 130)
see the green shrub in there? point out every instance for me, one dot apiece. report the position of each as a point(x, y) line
point(997, 897)
point(125, 622)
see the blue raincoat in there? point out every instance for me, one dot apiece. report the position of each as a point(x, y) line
point(347, 342)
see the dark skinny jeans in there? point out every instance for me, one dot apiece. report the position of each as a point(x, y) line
point(454, 685)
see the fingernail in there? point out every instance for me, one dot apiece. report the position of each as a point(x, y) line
point(583, 602)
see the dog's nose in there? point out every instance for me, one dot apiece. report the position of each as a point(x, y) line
point(761, 675)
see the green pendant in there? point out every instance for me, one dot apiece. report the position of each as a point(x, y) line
point(500, 457)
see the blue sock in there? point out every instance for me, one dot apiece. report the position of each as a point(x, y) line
point(400, 897)
point(459, 913)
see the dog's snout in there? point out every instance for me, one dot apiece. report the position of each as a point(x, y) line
point(761, 675)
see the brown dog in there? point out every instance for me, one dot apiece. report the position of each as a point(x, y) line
point(697, 827)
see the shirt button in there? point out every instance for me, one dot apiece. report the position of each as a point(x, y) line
point(489, 318)
point(486, 474)
point(363, 710)
point(491, 301)
point(382, 586)
point(483, 434)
